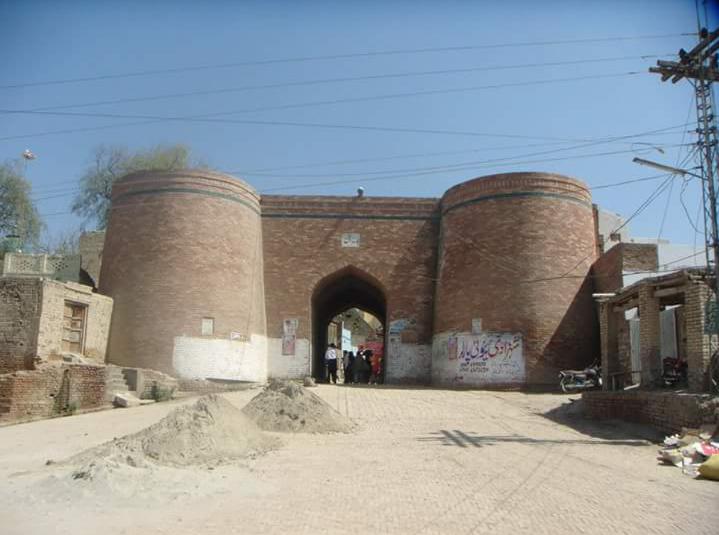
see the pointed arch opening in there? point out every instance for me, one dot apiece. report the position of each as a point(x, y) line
point(339, 296)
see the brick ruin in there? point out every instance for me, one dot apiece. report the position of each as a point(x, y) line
point(487, 286)
point(53, 338)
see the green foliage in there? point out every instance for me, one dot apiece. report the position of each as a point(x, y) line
point(111, 164)
point(61, 243)
point(18, 214)
point(160, 393)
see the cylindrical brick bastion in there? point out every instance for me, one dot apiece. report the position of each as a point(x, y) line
point(183, 263)
point(513, 298)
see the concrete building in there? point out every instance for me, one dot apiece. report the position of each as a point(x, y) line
point(488, 285)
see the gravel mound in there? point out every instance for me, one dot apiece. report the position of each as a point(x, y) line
point(288, 407)
point(211, 431)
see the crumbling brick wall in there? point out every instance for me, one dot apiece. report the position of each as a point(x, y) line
point(666, 411)
point(50, 390)
point(149, 380)
point(20, 305)
point(97, 321)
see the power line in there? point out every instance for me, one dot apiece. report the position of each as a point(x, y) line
point(613, 139)
point(423, 173)
point(463, 165)
point(339, 80)
point(388, 96)
point(335, 57)
point(214, 120)
point(386, 175)
point(66, 191)
point(658, 191)
point(624, 182)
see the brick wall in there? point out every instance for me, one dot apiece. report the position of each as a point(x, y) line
point(91, 245)
point(20, 305)
point(168, 264)
point(396, 258)
point(181, 247)
point(639, 256)
point(148, 380)
point(49, 390)
point(515, 252)
point(698, 344)
point(666, 411)
point(202, 386)
point(608, 270)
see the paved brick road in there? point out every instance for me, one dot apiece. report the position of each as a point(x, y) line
point(423, 461)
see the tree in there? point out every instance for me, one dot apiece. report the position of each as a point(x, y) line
point(112, 163)
point(61, 243)
point(18, 214)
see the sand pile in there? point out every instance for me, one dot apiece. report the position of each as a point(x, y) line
point(288, 407)
point(211, 431)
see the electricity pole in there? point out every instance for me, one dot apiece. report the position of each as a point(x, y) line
point(700, 67)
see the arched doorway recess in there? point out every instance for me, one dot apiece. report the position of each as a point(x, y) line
point(346, 288)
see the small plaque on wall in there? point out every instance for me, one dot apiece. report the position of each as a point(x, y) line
point(238, 337)
point(350, 239)
point(476, 326)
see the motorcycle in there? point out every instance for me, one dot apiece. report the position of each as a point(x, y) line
point(577, 380)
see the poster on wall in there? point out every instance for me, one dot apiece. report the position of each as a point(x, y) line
point(289, 326)
point(490, 357)
point(288, 344)
point(452, 348)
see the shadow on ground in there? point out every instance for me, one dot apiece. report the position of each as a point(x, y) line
point(571, 414)
point(456, 437)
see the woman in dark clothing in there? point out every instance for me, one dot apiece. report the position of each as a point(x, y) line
point(367, 366)
point(348, 368)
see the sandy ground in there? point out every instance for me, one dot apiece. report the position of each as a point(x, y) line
point(421, 461)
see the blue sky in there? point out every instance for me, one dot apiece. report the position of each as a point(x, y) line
point(529, 118)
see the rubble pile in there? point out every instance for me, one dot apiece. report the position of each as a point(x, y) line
point(210, 431)
point(289, 407)
point(695, 451)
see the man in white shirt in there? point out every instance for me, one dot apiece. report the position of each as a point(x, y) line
point(331, 361)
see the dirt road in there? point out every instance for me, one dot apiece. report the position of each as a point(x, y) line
point(422, 461)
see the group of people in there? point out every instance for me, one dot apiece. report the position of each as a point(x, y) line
point(364, 367)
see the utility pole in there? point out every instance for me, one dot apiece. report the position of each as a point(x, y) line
point(700, 67)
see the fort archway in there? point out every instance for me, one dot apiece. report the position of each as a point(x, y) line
point(346, 288)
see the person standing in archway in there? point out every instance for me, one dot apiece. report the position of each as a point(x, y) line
point(331, 361)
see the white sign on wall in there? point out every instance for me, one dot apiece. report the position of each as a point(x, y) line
point(490, 357)
point(350, 239)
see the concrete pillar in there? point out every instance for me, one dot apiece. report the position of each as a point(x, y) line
point(650, 349)
point(698, 341)
point(608, 342)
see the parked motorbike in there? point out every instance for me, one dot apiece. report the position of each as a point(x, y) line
point(674, 371)
point(577, 380)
